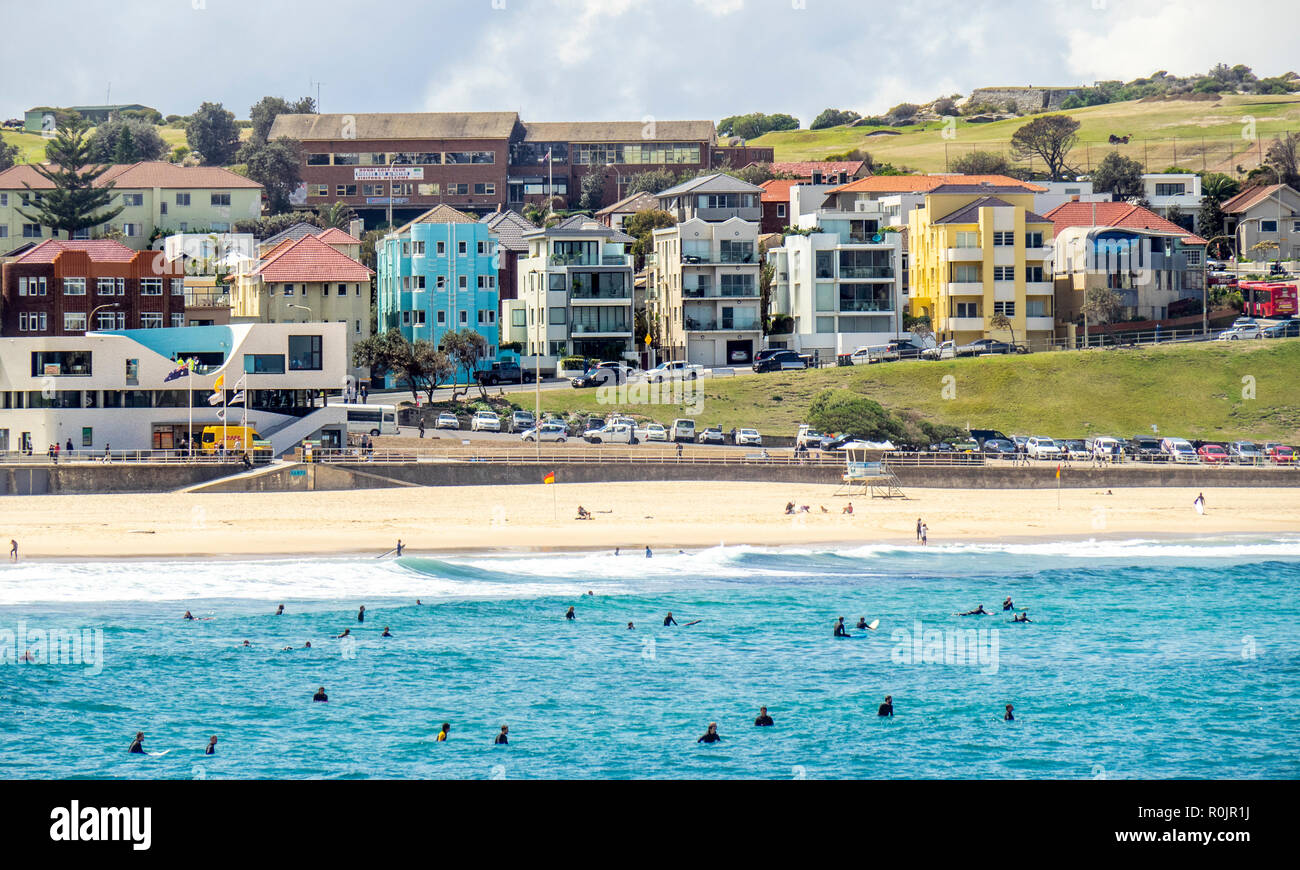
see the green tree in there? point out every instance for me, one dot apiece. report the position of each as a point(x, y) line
point(755, 124)
point(75, 203)
point(641, 226)
point(1002, 321)
point(466, 349)
point(653, 181)
point(834, 118)
point(420, 364)
point(1118, 175)
point(1283, 157)
point(982, 163)
point(212, 132)
point(263, 113)
point(592, 187)
point(8, 155)
point(1100, 306)
point(1216, 188)
point(1050, 138)
point(275, 166)
point(144, 141)
point(340, 215)
point(846, 412)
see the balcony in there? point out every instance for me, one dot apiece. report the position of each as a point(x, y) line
point(964, 288)
point(599, 294)
point(965, 324)
point(207, 300)
point(869, 273)
point(964, 254)
point(1040, 324)
point(883, 307)
point(711, 292)
point(601, 329)
point(1040, 287)
point(733, 324)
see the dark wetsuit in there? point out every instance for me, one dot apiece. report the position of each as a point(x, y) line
point(211, 750)
point(840, 631)
point(570, 615)
point(320, 696)
point(386, 633)
point(764, 722)
point(501, 740)
point(1008, 606)
point(137, 747)
point(885, 710)
point(709, 738)
point(668, 620)
point(1009, 717)
point(862, 623)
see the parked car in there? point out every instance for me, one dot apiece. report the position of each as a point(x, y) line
point(945, 350)
point(520, 421)
point(1076, 449)
point(779, 361)
point(982, 435)
point(652, 432)
point(547, 432)
point(683, 431)
point(1245, 453)
point(678, 370)
point(999, 448)
point(447, 420)
point(1043, 448)
point(1246, 331)
point(749, 438)
point(1105, 448)
point(1178, 449)
point(507, 372)
point(807, 436)
point(984, 347)
point(604, 374)
point(1280, 454)
point(712, 435)
point(485, 421)
point(1213, 453)
point(1143, 447)
point(592, 423)
point(900, 350)
point(619, 433)
point(1285, 329)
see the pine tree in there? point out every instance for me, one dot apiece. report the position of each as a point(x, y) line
point(73, 203)
point(125, 152)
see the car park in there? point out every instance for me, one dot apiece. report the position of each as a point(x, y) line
point(1105, 448)
point(683, 431)
point(1042, 448)
point(652, 432)
point(619, 433)
point(1144, 448)
point(1212, 453)
point(557, 432)
point(485, 421)
point(982, 435)
point(712, 435)
point(749, 438)
point(1245, 453)
point(447, 420)
point(1076, 449)
point(999, 448)
point(779, 361)
point(1280, 454)
point(520, 421)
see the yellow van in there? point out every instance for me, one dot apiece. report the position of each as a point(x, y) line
point(238, 438)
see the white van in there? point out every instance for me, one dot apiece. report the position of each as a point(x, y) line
point(683, 430)
point(1178, 449)
point(371, 419)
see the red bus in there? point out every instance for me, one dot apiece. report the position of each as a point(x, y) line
point(1268, 299)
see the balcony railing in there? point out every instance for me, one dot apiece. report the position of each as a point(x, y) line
point(600, 329)
point(580, 292)
point(866, 272)
point(868, 307)
point(749, 292)
point(734, 324)
point(207, 300)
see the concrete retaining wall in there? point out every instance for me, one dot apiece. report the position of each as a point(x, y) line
point(115, 477)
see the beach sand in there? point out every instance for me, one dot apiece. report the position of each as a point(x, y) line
point(627, 515)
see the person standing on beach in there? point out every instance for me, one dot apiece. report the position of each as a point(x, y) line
point(918, 528)
point(648, 554)
point(13, 550)
point(925, 535)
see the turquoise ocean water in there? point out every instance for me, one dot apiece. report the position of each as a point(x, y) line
point(1145, 659)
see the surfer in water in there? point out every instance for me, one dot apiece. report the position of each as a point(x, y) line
point(978, 611)
point(1009, 717)
point(631, 627)
point(386, 633)
point(1007, 605)
point(279, 611)
point(569, 614)
point(212, 746)
point(502, 739)
point(188, 616)
point(137, 745)
point(444, 733)
point(347, 632)
point(763, 720)
point(668, 620)
point(361, 614)
point(711, 736)
point(320, 696)
point(1022, 617)
point(840, 630)
point(887, 708)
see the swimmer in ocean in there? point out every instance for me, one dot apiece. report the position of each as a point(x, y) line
point(887, 708)
point(248, 645)
point(569, 614)
point(346, 632)
point(763, 720)
point(1007, 605)
point(212, 746)
point(386, 633)
point(307, 645)
point(978, 611)
point(502, 739)
point(1009, 717)
point(189, 616)
point(361, 614)
point(137, 745)
point(444, 733)
point(320, 695)
point(279, 611)
point(668, 620)
point(840, 630)
point(1022, 617)
point(710, 736)
point(631, 627)
point(862, 622)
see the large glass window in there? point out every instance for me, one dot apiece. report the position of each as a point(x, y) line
point(590, 318)
point(737, 252)
point(58, 363)
point(264, 363)
point(305, 353)
point(866, 297)
point(866, 264)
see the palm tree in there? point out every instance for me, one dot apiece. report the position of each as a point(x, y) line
point(542, 214)
point(339, 215)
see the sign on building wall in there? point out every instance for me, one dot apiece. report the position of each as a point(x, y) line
point(388, 173)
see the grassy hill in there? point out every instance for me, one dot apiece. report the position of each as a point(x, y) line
point(1197, 135)
point(1193, 391)
point(31, 146)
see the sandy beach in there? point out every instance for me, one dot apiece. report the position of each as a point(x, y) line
point(628, 515)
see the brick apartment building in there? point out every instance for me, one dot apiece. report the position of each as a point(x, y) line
point(478, 162)
point(52, 289)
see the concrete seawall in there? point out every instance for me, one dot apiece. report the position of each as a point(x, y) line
point(118, 477)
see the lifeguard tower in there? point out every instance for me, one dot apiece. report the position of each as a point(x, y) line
point(867, 473)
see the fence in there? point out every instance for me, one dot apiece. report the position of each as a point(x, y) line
point(154, 457)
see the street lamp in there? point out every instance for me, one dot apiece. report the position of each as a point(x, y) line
point(302, 307)
point(91, 316)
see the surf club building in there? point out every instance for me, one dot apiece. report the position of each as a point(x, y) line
point(122, 388)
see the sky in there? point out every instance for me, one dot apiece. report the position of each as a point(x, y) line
point(590, 60)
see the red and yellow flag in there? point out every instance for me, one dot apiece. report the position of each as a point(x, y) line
point(549, 478)
point(1058, 472)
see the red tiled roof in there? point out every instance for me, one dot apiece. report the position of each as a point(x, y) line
point(139, 175)
point(1116, 214)
point(1249, 198)
point(805, 168)
point(310, 260)
point(927, 183)
point(336, 236)
point(99, 250)
point(778, 189)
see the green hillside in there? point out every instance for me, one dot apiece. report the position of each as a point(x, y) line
point(1193, 391)
point(1194, 134)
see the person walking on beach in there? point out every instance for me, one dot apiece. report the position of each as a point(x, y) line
point(502, 739)
point(710, 736)
point(13, 550)
point(400, 548)
point(1199, 504)
point(925, 535)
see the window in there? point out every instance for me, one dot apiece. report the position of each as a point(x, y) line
point(406, 318)
point(484, 248)
point(458, 190)
point(454, 157)
point(419, 317)
point(1171, 189)
point(419, 283)
point(1004, 273)
point(442, 318)
point(558, 316)
point(305, 353)
point(74, 286)
point(485, 190)
point(133, 200)
point(150, 286)
point(489, 316)
point(1268, 226)
point(417, 248)
point(151, 320)
point(1033, 240)
point(372, 190)
point(31, 231)
point(104, 286)
point(4, 232)
point(1005, 308)
point(343, 289)
point(462, 282)
point(966, 309)
point(74, 321)
point(4, 200)
point(182, 199)
point(178, 286)
point(968, 240)
point(178, 320)
point(35, 286)
point(441, 249)
point(464, 318)
point(288, 290)
point(487, 282)
point(264, 363)
point(318, 159)
point(441, 282)
point(462, 248)
point(1037, 308)
point(428, 189)
point(106, 320)
point(1295, 227)
point(220, 199)
point(59, 363)
point(1034, 274)
point(966, 274)
point(345, 190)
point(130, 230)
point(1004, 239)
point(320, 190)
point(780, 209)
